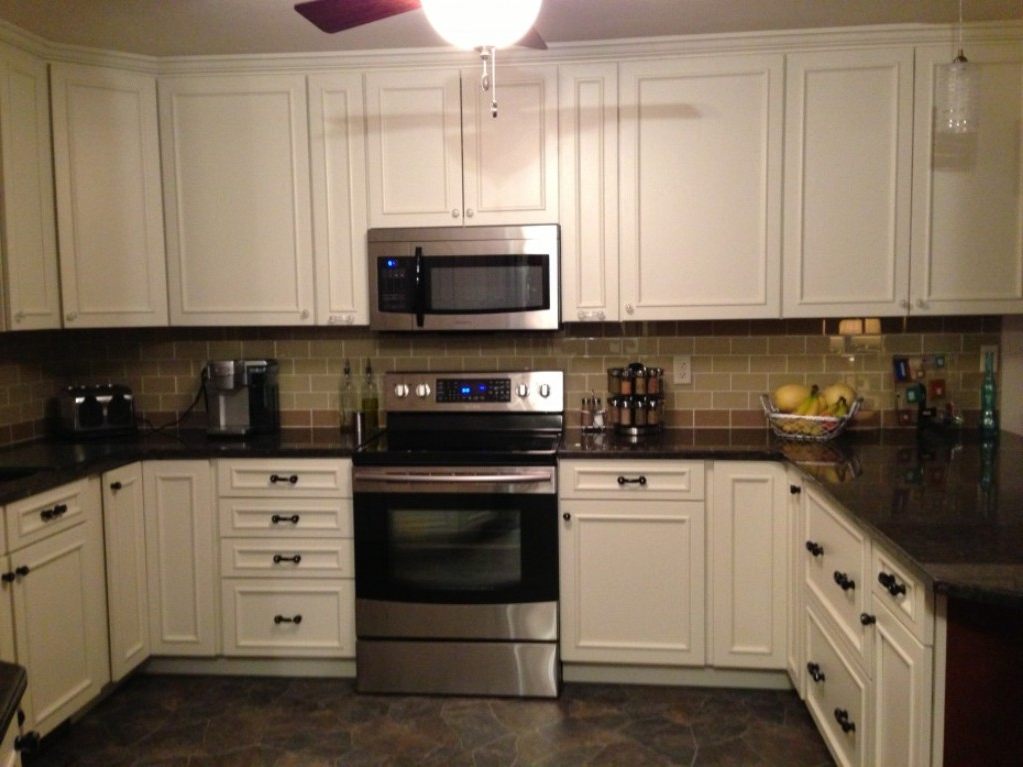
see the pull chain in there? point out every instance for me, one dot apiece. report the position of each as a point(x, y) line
point(488, 81)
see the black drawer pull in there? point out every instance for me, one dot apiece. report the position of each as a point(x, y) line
point(22, 571)
point(278, 518)
point(291, 479)
point(844, 581)
point(815, 672)
point(795, 489)
point(8, 577)
point(842, 717)
point(814, 548)
point(55, 513)
point(279, 619)
point(27, 743)
point(867, 619)
point(640, 480)
point(889, 582)
point(278, 558)
point(116, 485)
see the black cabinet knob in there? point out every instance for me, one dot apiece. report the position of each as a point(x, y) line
point(291, 479)
point(815, 672)
point(116, 485)
point(566, 516)
point(640, 480)
point(278, 619)
point(842, 717)
point(278, 558)
point(278, 518)
point(795, 489)
point(844, 581)
point(867, 619)
point(889, 581)
point(814, 548)
point(8, 577)
point(22, 571)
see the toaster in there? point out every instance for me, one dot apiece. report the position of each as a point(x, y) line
point(103, 410)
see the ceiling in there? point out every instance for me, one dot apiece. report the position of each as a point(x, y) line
point(191, 27)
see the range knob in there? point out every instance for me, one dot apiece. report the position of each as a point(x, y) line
point(522, 390)
point(401, 390)
point(545, 390)
point(422, 390)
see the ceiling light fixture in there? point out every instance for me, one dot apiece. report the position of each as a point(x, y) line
point(484, 26)
point(957, 101)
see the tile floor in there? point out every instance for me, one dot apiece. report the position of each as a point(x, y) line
point(258, 722)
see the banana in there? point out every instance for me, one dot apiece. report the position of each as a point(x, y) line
point(808, 404)
point(841, 408)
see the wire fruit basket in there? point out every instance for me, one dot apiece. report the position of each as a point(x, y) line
point(807, 428)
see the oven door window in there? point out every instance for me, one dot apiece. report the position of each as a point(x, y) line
point(456, 548)
point(487, 284)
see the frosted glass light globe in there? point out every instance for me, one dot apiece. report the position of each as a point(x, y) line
point(473, 23)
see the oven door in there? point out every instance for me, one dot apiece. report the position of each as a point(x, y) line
point(456, 553)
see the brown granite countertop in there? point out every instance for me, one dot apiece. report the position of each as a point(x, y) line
point(950, 505)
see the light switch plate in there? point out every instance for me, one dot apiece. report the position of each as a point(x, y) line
point(988, 348)
point(682, 369)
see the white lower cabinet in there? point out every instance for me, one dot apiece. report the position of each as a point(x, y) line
point(127, 589)
point(794, 540)
point(287, 558)
point(60, 613)
point(632, 569)
point(180, 529)
point(748, 546)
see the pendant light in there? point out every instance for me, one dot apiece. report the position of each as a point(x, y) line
point(483, 26)
point(957, 101)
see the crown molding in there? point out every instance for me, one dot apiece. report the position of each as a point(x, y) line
point(636, 48)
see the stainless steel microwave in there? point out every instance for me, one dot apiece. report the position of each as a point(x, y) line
point(465, 278)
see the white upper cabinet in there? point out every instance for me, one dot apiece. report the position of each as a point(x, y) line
point(337, 141)
point(967, 250)
point(109, 210)
point(701, 157)
point(588, 175)
point(848, 170)
point(31, 289)
point(237, 189)
point(436, 156)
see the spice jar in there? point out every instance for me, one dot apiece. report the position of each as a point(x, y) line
point(627, 380)
point(654, 380)
point(614, 380)
point(640, 413)
point(640, 380)
point(654, 416)
point(625, 411)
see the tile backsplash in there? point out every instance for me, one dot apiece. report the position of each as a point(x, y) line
point(732, 363)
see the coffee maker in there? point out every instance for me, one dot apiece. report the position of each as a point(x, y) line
point(242, 397)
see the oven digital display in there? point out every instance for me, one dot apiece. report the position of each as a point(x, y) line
point(474, 390)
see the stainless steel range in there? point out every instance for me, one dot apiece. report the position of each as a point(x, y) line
point(456, 536)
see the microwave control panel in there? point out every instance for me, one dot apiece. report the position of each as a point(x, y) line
point(396, 284)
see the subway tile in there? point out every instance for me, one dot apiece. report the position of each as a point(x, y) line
point(904, 343)
point(711, 381)
point(730, 364)
point(710, 418)
point(713, 345)
point(749, 382)
point(805, 363)
point(745, 419)
point(749, 345)
point(786, 344)
point(730, 400)
point(694, 400)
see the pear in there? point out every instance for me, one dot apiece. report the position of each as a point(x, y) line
point(835, 392)
point(789, 397)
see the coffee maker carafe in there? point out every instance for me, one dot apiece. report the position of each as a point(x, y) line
point(242, 397)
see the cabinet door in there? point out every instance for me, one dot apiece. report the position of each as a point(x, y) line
point(748, 568)
point(60, 620)
point(588, 179)
point(109, 208)
point(848, 169)
point(903, 672)
point(237, 187)
point(180, 557)
point(414, 146)
point(29, 229)
point(337, 141)
point(510, 163)
point(127, 588)
point(701, 143)
point(968, 190)
point(632, 582)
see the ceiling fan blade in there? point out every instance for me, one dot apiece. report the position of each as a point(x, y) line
point(532, 39)
point(337, 15)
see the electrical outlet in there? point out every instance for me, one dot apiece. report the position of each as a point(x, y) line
point(984, 350)
point(682, 369)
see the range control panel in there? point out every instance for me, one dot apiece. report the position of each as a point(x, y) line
point(531, 391)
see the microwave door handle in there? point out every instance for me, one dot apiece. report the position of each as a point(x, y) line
point(420, 297)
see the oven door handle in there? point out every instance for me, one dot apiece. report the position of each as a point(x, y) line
point(433, 478)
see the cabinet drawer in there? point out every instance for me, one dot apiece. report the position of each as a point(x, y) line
point(42, 515)
point(290, 558)
point(836, 692)
point(654, 480)
point(285, 477)
point(837, 568)
point(289, 618)
point(282, 517)
point(904, 594)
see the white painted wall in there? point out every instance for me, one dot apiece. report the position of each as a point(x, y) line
point(1012, 374)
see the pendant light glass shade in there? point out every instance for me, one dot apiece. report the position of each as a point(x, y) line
point(474, 24)
point(957, 105)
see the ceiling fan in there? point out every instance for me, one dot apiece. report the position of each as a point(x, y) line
point(481, 25)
